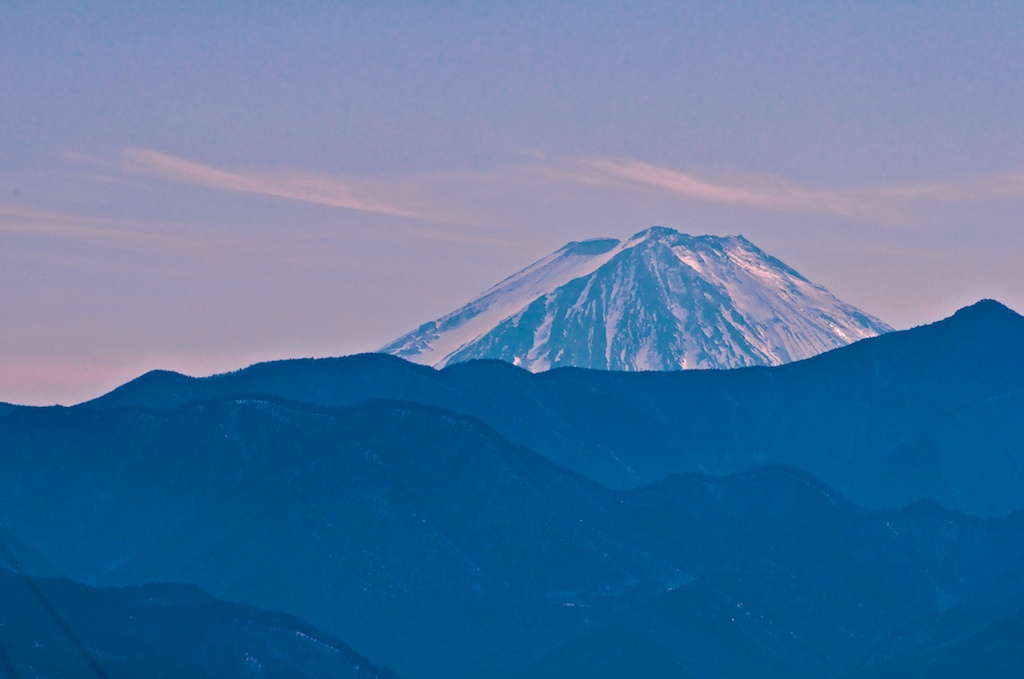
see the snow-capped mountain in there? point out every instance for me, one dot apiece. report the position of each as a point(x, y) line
point(661, 300)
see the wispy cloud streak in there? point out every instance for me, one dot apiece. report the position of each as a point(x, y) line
point(468, 199)
point(776, 194)
point(308, 188)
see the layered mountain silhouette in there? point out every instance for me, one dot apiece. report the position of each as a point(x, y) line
point(927, 413)
point(661, 300)
point(416, 535)
point(435, 547)
point(482, 520)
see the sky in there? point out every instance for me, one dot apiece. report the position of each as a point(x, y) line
point(200, 186)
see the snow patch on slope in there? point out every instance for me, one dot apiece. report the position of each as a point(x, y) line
point(657, 301)
point(434, 342)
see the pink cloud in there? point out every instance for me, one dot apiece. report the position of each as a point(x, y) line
point(309, 188)
point(774, 194)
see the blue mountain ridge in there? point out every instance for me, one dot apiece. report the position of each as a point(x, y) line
point(451, 523)
point(887, 420)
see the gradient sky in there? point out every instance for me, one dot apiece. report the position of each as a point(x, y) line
point(199, 186)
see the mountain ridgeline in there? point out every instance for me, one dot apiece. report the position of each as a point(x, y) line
point(853, 514)
point(889, 420)
point(661, 300)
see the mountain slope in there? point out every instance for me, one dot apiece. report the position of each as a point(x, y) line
point(814, 601)
point(660, 300)
point(160, 631)
point(960, 643)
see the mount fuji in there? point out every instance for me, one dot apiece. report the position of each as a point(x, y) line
point(661, 300)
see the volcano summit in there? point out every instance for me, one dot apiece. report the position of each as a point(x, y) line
point(661, 300)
